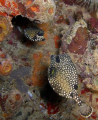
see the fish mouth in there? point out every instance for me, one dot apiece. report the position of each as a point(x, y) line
point(43, 39)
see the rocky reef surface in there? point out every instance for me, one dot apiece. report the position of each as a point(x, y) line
point(25, 93)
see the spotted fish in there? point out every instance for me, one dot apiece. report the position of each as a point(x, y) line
point(33, 33)
point(63, 78)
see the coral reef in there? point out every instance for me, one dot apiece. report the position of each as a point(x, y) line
point(91, 5)
point(75, 40)
point(78, 44)
point(4, 27)
point(10, 102)
point(70, 2)
point(90, 58)
point(42, 10)
point(93, 25)
point(57, 41)
point(38, 9)
point(68, 28)
point(5, 63)
point(38, 70)
point(80, 23)
point(17, 75)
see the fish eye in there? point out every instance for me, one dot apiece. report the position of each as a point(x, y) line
point(51, 57)
point(71, 95)
point(41, 33)
point(75, 87)
point(57, 59)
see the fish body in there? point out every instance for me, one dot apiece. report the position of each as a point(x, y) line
point(33, 33)
point(63, 78)
point(62, 75)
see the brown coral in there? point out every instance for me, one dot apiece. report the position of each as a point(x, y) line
point(10, 103)
point(78, 44)
point(93, 25)
point(4, 27)
point(5, 68)
point(5, 63)
point(41, 10)
point(37, 78)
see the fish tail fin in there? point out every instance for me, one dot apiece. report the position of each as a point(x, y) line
point(85, 110)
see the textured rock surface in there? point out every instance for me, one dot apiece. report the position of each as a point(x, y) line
point(78, 44)
point(32, 9)
point(30, 63)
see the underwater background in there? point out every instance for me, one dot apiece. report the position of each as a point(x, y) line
point(48, 59)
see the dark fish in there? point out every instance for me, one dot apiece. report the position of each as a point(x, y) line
point(33, 33)
point(63, 78)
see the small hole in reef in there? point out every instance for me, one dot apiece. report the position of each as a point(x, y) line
point(23, 22)
point(19, 20)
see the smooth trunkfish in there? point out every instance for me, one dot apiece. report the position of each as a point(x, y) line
point(63, 78)
point(33, 33)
